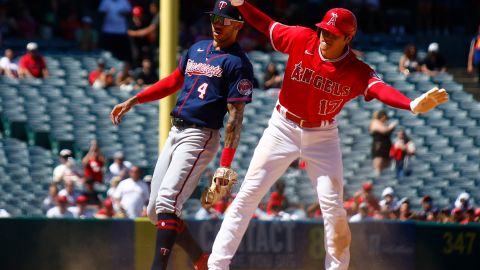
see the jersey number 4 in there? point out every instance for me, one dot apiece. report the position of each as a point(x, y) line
point(329, 106)
point(202, 90)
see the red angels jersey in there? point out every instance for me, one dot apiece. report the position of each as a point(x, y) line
point(315, 88)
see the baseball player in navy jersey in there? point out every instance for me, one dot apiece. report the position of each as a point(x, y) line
point(321, 76)
point(215, 76)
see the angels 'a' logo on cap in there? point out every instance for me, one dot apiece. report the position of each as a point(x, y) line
point(222, 5)
point(333, 19)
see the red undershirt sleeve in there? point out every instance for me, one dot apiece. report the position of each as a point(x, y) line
point(256, 18)
point(162, 88)
point(389, 96)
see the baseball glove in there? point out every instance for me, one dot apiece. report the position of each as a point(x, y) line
point(222, 183)
point(429, 100)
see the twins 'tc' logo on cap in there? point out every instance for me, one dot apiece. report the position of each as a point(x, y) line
point(222, 5)
point(333, 19)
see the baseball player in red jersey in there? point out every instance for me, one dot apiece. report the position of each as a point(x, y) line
point(321, 76)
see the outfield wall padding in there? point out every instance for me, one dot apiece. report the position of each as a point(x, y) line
point(67, 244)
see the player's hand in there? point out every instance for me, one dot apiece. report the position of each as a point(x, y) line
point(470, 69)
point(237, 3)
point(120, 109)
point(429, 100)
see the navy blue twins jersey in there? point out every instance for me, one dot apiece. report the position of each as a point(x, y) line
point(213, 78)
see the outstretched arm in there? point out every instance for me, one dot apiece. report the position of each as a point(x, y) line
point(159, 90)
point(394, 98)
point(254, 17)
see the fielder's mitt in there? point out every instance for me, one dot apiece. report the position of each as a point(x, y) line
point(222, 182)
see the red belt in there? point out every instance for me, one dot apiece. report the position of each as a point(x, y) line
point(302, 122)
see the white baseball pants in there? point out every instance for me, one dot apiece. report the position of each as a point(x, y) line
point(283, 142)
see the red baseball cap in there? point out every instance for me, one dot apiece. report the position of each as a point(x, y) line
point(137, 11)
point(82, 199)
point(108, 203)
point(367, 186)
point(339, 21)
point(62, 199)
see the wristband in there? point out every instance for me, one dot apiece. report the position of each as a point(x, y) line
point(227, 157)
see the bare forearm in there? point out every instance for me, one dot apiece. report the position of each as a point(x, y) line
point(233, 128)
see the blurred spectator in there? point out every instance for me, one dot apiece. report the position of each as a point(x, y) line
point(101, 77)
point(469, 216)
point(272, 78)
point(277, 198)
point(125, 80)
point(146, 75)
point(296, 209)
point(362, 214)
point(433, 216)
point(477, 215)
point(93, 163)
point(207, 213)
point(32, 64)
point(50, 200)
point(86, 35)
point(364, 195)
point(114, 36)
point(389, 202)
point(380, 131)
point(386, 214)
point(457, 215)
point(66, 170)
point(146, 37)
point(314, 211)
point(222, 205)
point(132, 194)
point(445, 215)
point(140, 45)
point(409, 62)
point(276, 213)
point(150, 31)
point(81, 210)
point(69, 192)
point(401, 152)
point(107, 210)
point(113, 186)
point(7, 65)
point(428, 212)
point(120, 166)
point(69, 25)
point(4, 213)
point(405, 213)
point(61, 210)
point(434, 63)
point(474, 55)
point(91, 195)
point(463, 201)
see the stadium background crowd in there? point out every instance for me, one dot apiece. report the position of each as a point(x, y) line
point(98, 187)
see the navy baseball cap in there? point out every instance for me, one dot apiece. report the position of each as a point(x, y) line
point(224, 9)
